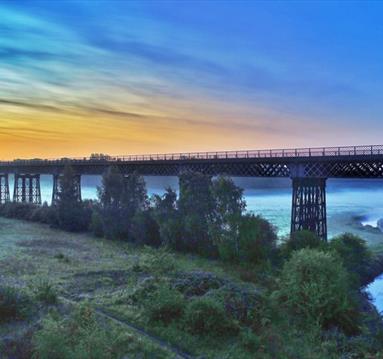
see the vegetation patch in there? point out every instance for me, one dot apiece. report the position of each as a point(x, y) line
point(15, 304)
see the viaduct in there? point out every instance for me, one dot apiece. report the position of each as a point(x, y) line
point(308, 168)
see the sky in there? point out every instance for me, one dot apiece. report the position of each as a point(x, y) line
point(132, 77)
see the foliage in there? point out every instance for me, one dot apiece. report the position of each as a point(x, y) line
point(165, 305)
point(206, 316)
point(110, 195)
point(354, 253)
point(256, 242)
point(164, 209)
point(144, 229)
point(15, 304)
point(79, 336)
point(45, 292)
point(121, 199)
point(44, 214)
point(159, 261)
point(72, 215)
point(229, 206)
point(196, 205)
point(196, 283)
point(315, 286)
point(17, 210)
point(301, 239)
point(96, 224)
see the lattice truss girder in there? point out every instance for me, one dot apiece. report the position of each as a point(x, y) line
point(360, 169)
point(57, 187)
point(309, 206)
point(4, 188)
point(27, 188)
point(232, 169)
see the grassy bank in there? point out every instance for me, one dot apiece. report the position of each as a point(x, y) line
point(159, 292)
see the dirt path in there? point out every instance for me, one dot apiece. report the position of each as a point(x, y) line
point(163, 344)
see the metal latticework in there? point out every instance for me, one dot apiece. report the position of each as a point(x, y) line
point(309, 206)
point(57, 187)
point(4, 188)
point(27, 188)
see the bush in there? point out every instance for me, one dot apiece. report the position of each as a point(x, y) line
point(315, 285)
point(45, 292)
point(197, 283)
point(354, 253)
point(165, 305)
point(14, 304)
point(17, 210)
point(205, 316)
point(256, 242)
point(250, 341)
point(301, 239)
point(96, 225)
point(145, 230)
point(77, 337)
point(159, 261)
point(44, 214)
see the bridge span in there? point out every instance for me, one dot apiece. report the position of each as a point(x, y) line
point(308, 169)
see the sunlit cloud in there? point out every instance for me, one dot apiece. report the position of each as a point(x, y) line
point(134, 77)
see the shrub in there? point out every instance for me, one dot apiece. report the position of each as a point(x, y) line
point(250, 341)
point(96, 224)
point(205, 316)
point(315, 285)
point(79, 336)
point(197, 283)
point(145, 230)
point(14, 304)
point(45, 292)
point(165, 305)
point(17, 210)
point(301, 239)
point(44, 214)
point(256, 242)
point(159, 261)
point(354, 253)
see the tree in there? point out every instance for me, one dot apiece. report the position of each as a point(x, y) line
point(121, 199)
point(110, 195)
point(229, 206)
point(166, 214)
point(302, 239)
point(354, 253)
point(315, 285)
point(72, 216)
point(196, 206)
point(256, 243)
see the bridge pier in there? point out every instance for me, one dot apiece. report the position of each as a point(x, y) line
point(27, 188)
point(309, 205)
point(57, 187)
point(4, 188)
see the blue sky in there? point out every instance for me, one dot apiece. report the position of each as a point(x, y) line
point(163, 76)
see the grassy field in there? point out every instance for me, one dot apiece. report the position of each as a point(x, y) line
point(106, 274)
point(118, 279)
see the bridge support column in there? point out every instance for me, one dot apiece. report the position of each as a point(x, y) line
point(309, 206)
point(27, 189)
point(57, 187)
point(4, 188)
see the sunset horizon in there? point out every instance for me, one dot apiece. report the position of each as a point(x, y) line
point(80, 77)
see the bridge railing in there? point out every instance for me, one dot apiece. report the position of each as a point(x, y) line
point(368, 150)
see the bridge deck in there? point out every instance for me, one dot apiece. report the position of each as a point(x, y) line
point(341, 162)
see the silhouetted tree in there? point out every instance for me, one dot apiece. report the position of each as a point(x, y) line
point(71, 214)
point(228, 209)
point(196, 206)
point(168, 218)
point(121, 199)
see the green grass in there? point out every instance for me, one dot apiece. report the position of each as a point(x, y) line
point(117, 278)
